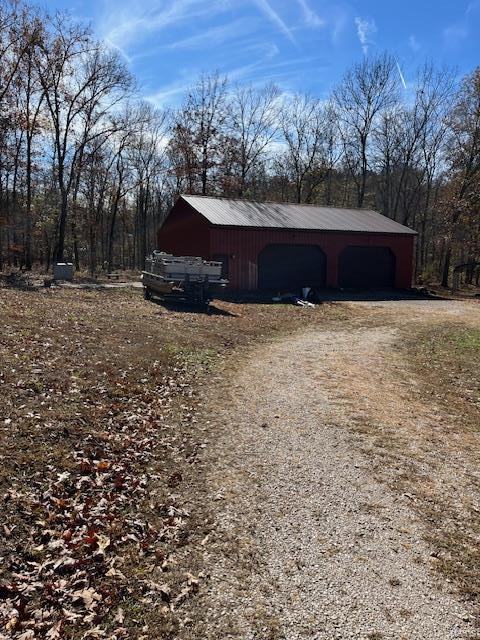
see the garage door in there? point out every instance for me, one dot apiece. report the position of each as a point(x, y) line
point(366, 268)
point(289, 267)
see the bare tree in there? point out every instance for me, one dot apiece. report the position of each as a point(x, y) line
point(87, 167)
point(20, 28)
point(253, 124)
point(304, 129)
point(82, 82)
point(461, 203)
point(367, 89)
point(31, 98)
point(148, 155)
point(198, 133)
point(18, 33)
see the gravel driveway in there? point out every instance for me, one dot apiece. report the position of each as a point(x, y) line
point(307, 543)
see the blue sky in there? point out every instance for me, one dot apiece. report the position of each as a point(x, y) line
point(301, 45)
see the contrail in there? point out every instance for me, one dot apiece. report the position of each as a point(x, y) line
point(269, 11)
point(401, 75)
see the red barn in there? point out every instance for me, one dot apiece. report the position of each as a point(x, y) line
point(283, 246)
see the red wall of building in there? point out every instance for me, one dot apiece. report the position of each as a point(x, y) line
point(243, 246)
point(186, 232)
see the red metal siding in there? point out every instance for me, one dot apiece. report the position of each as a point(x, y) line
point(185, 232)
point(243, 246)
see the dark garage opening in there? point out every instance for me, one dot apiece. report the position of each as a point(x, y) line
point(289, 267)
point(366, 268)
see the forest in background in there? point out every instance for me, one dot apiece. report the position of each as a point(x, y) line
point(88, 169)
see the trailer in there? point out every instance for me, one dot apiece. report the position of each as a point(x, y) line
point(188, 279)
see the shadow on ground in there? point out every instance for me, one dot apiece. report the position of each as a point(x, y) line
point(186, 307)
point(331, 295)
point(374, 295)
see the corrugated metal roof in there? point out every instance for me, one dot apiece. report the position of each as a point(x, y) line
point(242, 213)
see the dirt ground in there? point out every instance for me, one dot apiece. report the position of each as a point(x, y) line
point(168, 474)
point(99, 451)
point(345, 481)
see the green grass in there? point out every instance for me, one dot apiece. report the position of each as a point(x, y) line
point(191, 356)
point(468, 340)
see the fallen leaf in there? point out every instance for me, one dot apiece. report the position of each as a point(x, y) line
point(119, 616)
point(89, 596)
point(55, 632)
point(103, 543)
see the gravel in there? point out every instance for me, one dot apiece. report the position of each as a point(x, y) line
point(307, 543)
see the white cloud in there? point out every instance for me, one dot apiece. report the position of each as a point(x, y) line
point(215, 35)
point(262, 69)
point(310, 18)
point(264, 49)
point(455, 33)
point(338, 19)
point(167, 94)
point(472, 7)
point(462, 29)
point(173, 92)
point(121, 51)
point(365, 30)
point(128, 21)
point(275, 18)
point(414, 44)
point(272, 50)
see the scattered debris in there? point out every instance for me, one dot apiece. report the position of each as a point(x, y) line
point(304, 303)
point(292, 299)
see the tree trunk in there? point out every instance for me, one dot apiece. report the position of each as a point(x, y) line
point(75, 239)
point(446, 266)
point(62, 222)
point(92, 252)
point(28, 221)
point(363, 180)
point(112, 230)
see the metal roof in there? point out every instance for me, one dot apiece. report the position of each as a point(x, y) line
point(276, 215)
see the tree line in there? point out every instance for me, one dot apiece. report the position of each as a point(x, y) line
point(88, 170)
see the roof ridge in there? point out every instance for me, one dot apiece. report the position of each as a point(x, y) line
point(296, 204)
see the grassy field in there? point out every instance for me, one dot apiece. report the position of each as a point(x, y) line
point(98, 399)
point(102, 425)
point(446, 358)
